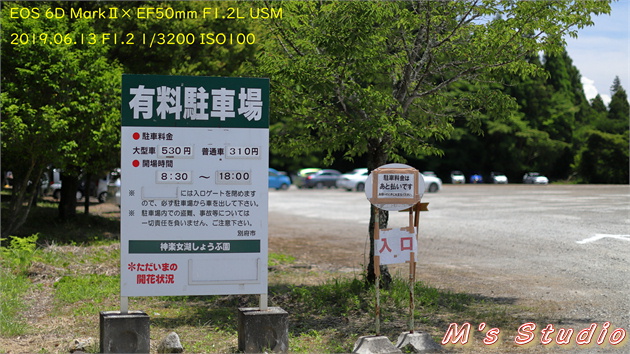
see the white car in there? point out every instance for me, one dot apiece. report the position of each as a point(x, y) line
point(498, 178)
point(432, 184)
point(535, 178)
point(457, 177)
point(354, 180)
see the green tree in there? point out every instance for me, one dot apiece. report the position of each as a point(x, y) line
point(602, 156)
point(60, 104)
point(207, 59)
point(373, 78)
point(618, 109)
point(598, 105)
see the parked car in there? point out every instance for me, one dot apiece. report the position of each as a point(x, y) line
point(55, 185)
point(535, 178)
point(457, 177)
point(354, 180)
point(432, 184)
point(300, 177)
point(322, 178)
point(476, 178)
point(104, 184)
point(498, 178)
point(278, 180)
point(98, 189)
point(113, 191)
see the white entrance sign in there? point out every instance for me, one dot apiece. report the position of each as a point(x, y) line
point(394, 187)
point(194, 192)
point(396, 245)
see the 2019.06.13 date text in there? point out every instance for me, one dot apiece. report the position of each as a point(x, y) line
point(143, 39)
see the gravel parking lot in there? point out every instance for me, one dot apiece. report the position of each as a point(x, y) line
point(564, 247)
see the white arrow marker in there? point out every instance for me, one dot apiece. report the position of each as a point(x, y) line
point(601, 236)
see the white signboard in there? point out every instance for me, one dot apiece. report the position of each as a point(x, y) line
point(194, 186)
point(396, 245)
point(394, 187)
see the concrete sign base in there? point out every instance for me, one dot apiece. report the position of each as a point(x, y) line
point(124, 333)
point(417, 342)
point(262, 331)
point(375, 345)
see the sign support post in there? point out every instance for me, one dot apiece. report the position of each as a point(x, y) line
point(263, 302)
point(412, 275)
point(124, 305)
point(377, 273)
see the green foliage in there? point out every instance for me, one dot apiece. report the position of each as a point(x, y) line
point(86, 293)
point(344, 82)
point(203, 60)
point(68, 117)
point(347, 295)
point(15, 263)
point(326, 317)
point(604, 158)
point(546, 132)
point(20, 253)
point(618, 109)
point(280, 259)
point(12, 287)
point(70, 112)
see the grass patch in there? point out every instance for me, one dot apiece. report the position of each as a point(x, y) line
point(86, 293)
point(84, 229)
point(276, 259)
point(75, 266)
point(326, 317)
point(12, 287)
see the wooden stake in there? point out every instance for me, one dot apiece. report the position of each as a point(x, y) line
point(377, 273)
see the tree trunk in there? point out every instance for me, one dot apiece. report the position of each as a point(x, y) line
point(68, 200)
point(22, 197)
point(377, 157)
point(87, 192)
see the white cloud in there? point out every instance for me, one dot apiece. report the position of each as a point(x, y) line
point(590, 91)
point(601, 52)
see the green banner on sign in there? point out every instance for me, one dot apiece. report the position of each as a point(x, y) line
point(197, 246)
point(195, 101)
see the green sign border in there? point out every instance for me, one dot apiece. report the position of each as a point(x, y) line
point(209, 84)
point(154, 246)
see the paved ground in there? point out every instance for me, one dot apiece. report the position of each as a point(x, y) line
point(567, 246)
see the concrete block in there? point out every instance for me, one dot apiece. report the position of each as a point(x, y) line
point(417, 342)
point(125, 333)
point(375, 345)
point(263, 331)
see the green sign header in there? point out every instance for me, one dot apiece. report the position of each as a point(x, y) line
point(195, 101)
point(194, 246)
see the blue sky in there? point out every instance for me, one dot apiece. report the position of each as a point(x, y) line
point(601, 52)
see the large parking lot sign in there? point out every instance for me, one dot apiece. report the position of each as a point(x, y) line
point(194, 186)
